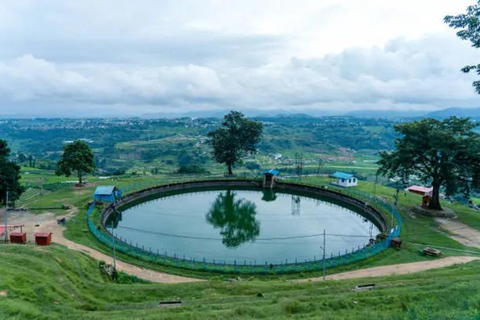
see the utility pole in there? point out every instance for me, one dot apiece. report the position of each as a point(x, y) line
point(5, 232)
point(323, 254)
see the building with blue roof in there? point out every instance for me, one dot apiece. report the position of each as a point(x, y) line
point(269, 177)
point(107, 194)
point(344, 179)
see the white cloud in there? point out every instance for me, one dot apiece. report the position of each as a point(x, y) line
point(293, 55)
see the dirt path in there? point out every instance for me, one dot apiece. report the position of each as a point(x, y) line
point(397, 269)
point(461, 232)
point(47, 222)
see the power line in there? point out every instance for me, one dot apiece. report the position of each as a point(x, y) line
point(258, 239)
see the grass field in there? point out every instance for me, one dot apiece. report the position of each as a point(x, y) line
point(55, 283)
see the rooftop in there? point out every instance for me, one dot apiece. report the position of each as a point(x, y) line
point(342, 175)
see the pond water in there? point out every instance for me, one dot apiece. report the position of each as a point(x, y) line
point(244, 226)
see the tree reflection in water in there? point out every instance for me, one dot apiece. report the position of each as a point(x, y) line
point(235, 218)
point(269, 195)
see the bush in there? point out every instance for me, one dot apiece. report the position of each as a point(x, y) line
point(192, 168)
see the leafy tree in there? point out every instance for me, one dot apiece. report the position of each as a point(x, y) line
point(9, 175)
point(235, 218)
point(77, 158)
point(444, 153)
point(238, 137)
point(469, 23)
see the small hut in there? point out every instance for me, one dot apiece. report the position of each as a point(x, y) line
point(425, 192)
point(343, 179)
point(269, 177)
point(107, 194)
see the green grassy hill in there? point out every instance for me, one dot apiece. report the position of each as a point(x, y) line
point(56, 283)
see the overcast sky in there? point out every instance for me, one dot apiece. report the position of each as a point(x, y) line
point(97, 58)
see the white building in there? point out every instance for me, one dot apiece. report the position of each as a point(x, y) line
point(343, 179)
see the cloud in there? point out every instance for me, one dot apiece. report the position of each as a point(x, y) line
point(403, 74)
point(298, 55)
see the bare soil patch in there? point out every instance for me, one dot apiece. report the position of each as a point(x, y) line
point(397, 269)
point(461, 232)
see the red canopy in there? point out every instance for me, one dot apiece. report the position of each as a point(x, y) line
point(423, 191)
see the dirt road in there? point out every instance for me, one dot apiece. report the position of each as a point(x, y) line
point(47, 222)
point(397, 269)
point(461, 232)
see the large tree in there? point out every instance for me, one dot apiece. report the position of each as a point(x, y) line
point(237, 138)
point(77, 158)
point(469, 25)
point(9, 175)
point(443, 153)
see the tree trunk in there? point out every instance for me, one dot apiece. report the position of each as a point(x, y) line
point(79, 177)
point(229, 165)
point(435, 201)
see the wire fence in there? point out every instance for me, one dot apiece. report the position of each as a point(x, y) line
point(252, 267)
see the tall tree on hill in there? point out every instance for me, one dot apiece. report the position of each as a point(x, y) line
point(77, 158)
point(443, 153)
point(469, 23)
point(237, 138)
point(9, 175)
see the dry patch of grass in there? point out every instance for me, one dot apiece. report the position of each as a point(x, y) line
point(3, 293)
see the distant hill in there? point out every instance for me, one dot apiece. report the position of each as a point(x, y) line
point(385, 114)
point(459, 112)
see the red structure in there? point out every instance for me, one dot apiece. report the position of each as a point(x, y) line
point(18, 237)
point(43, 238)
point(426, 194)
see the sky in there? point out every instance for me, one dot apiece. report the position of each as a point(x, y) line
point(95, 58)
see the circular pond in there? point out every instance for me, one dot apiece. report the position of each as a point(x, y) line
point(238, 226)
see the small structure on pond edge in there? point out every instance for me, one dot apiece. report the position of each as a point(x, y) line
point(425, 192)
point(107, 194)
point(344, 179)
point(269, 177)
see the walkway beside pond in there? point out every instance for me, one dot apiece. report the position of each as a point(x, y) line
point(397, 269)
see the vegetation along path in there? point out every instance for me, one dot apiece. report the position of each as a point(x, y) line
point(47, 222)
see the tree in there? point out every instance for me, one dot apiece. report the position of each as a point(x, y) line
point(469, 23)
point(443, 153)
point(238, 138)
point(9, 175)
point(235, 218)
point(77, 158)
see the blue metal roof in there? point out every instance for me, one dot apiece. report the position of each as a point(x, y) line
point(104, 190)
point(342, 175)
point(272, 171)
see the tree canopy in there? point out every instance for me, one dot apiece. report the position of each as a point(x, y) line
point(77, 158)
point(469, 25)
point(9, 175)
point(443, 153)
point(237, 138)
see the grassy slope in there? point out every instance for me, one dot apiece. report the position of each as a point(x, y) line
point(52, 282)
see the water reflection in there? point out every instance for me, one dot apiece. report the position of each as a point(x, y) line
point(236, 219)
point(113, 219)
point(269, 195)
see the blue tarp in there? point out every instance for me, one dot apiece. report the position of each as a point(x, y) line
point(342, 175)
point(272, 171)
